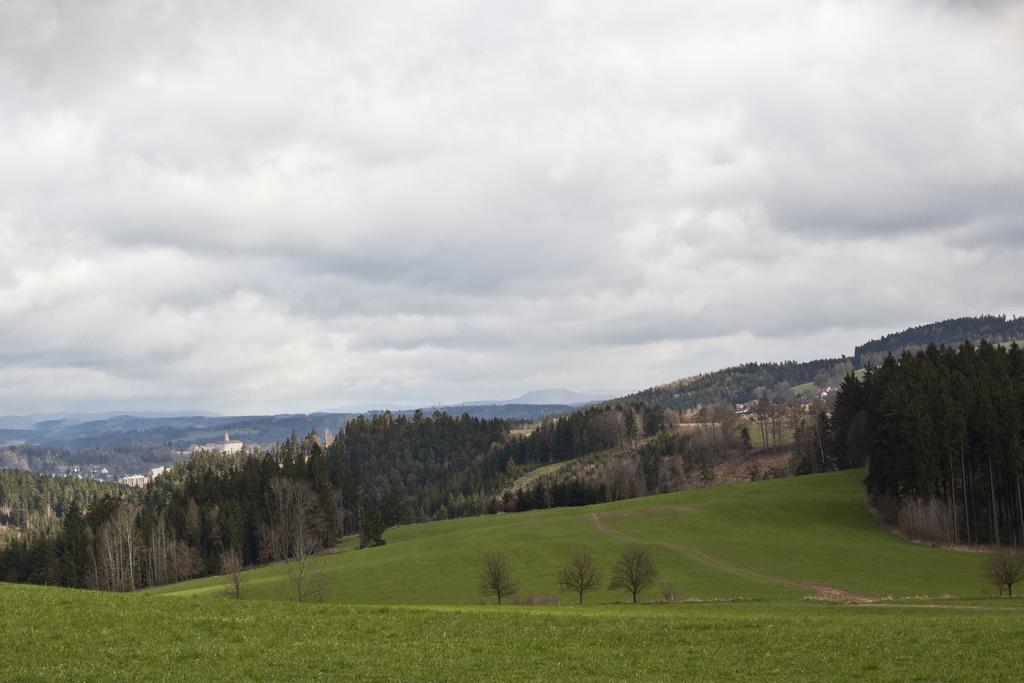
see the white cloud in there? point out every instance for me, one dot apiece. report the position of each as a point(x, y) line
point(281, 207)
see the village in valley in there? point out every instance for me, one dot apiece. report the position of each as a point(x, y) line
point(228, 446)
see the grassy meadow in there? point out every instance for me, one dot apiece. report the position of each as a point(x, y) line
point(777, 539)
point(785, 579)
point(59, 634)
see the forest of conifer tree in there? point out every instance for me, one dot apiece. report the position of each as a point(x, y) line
point(941, 433)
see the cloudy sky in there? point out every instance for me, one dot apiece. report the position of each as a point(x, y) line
point(267, 206)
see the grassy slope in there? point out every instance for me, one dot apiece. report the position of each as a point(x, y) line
point(808, 388)
point(52, 634)
point(762, 540)
point(533, 475)
point(757, 540)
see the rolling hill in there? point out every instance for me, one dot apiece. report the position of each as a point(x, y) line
point(992, 328)
point(746, 558)
point(780, 539)
point(736, 384)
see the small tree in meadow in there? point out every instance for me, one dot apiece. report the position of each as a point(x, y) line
point(231, 567)
point(633, 572)
point(580, 575)
point(297, 528)
point(496, 577)
point(1004, 568)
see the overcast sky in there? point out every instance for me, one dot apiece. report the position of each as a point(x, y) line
point(291, 206)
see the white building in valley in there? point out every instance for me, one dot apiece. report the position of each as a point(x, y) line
point(229, 446)
point(140, 480)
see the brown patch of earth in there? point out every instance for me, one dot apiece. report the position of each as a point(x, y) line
point(744, 467)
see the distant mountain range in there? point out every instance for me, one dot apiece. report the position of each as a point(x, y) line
point(182, 428)
point(538, 397)
point(178, 431)
point(29, 421)
point(732, 385)
point(75, 431)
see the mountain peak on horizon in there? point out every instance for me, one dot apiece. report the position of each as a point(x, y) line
point(556, 397)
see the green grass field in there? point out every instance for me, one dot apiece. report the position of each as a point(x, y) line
point(756, 562)
point(778, 539)
point(57, 634)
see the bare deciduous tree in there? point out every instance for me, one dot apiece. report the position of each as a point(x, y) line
point(273, 544)
point(119, 549)
point(496, 577)
point(624, 479)
point(925, 519)
point(707, 428)
point(761, 416)
point(633, 572)
point(295, 535)
point(794, 416)
point(609, 428)
point(167, 559)
point(727, 419)
point(231, 567)
point(306, 575)
point(1004, 568)
point(580, 575)
point(630, 426)
point(776, 419)
point(782, 393)
point(157, 553)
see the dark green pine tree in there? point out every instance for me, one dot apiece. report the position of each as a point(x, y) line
point(371, 525)
point(41, 560)
point(393, 507)
point(71, 547)
point(847, 423)
point(316, 468)
point(745, 439)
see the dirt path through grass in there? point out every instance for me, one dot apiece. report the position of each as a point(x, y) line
point(932, 605)
point(820, 590)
